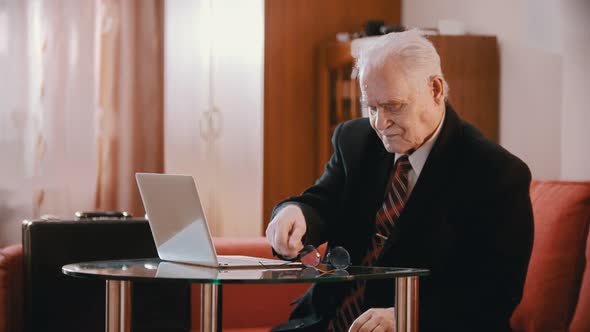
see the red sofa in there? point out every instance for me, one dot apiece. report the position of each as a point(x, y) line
point(557, 287)
point(11, 294)
point(556, 294)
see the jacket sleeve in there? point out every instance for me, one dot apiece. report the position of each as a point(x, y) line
point(320, 202)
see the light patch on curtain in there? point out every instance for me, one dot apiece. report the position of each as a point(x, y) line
point(74, 49)
point(3, 32)
point(35, 89)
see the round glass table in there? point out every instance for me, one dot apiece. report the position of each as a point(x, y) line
point(119, 274)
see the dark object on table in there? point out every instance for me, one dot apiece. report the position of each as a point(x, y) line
point(387, 28)
point(372, 27)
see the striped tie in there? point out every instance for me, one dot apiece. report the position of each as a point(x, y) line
point(393, 203)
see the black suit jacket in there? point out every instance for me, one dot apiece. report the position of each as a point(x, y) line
point(468, 220)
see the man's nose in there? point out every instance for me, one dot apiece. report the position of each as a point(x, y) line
point(381, 121)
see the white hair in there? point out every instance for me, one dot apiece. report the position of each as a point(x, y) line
point(416, 55)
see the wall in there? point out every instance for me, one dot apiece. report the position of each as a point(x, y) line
point(575, 156)
point(543, 57)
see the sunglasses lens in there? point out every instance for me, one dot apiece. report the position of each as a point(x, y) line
point(310, 256)
point(310, 272)
point(339, 258)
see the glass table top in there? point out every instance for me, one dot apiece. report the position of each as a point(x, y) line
point(140, 269)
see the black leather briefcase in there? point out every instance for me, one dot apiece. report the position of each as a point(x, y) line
point(56, 302)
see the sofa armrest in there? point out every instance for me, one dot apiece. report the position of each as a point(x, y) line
point(11, 288)
point(556, 268)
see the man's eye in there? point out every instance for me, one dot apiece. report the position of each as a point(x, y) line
point(372, 109)
point(393, 108)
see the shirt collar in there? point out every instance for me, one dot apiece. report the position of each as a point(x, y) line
point(418, 158)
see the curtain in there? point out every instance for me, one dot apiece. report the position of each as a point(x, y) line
point(130, 99)
point(81, 106)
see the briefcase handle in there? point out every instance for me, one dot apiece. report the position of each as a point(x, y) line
point(102, 215)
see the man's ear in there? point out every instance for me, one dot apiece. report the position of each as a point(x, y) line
point(437, 88)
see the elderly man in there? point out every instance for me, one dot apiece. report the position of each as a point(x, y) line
point(414, 186)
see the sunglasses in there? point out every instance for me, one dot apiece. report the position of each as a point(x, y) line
point(337, 259)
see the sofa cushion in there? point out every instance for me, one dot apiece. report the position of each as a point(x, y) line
point(555, 270)
point(581, 320)
point(256, 306)
point(251, 305)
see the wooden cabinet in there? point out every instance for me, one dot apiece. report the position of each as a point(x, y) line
point(294, 29)
point(470, 65)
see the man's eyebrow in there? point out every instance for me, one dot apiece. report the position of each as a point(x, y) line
point(393, 101)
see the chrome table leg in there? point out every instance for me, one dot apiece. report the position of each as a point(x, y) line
point(406, 304)
point(211, 307)
point(118, 306)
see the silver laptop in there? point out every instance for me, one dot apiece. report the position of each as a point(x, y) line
point(179, 225)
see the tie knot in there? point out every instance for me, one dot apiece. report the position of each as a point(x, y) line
point(403, 164)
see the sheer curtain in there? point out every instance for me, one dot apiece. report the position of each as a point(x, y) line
point(80, 106)
point(129, 74)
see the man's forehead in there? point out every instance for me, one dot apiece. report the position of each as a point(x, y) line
point(384, 86)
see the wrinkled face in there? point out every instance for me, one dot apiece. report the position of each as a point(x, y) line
point(404, 113)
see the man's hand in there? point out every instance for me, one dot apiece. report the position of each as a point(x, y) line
point(375, 320)
point(285, 231)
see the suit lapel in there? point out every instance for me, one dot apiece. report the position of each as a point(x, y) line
point(376, 169)
point(381, 166)
point(434, 177)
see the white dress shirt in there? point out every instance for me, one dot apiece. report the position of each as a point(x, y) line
point(418, 158)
